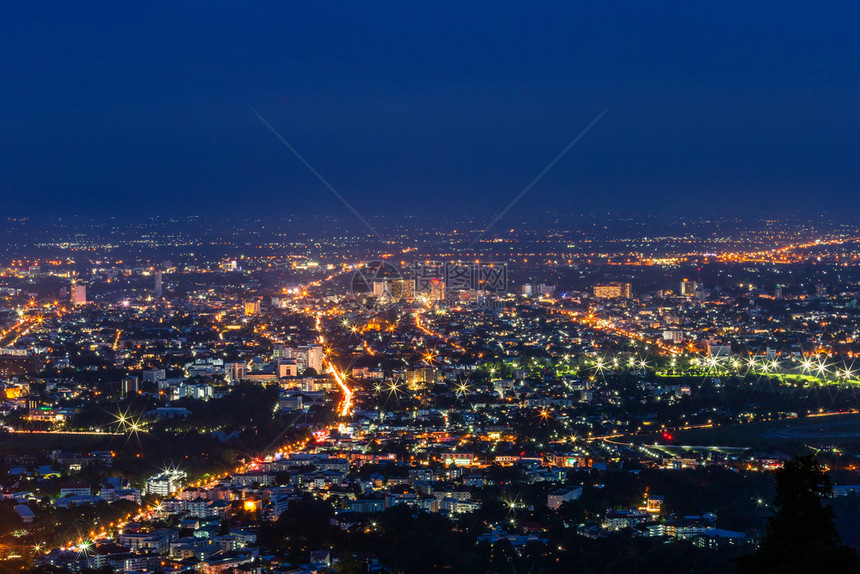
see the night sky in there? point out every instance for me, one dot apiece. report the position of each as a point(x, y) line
point(120, 108)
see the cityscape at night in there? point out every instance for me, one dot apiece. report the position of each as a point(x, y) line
point(484, 288)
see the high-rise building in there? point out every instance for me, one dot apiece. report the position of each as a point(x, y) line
point(129, 386)
point(673, 335)
point(234, 372)
point(315, 358)
point(612, 290)
point(403, 290)
point(688, 288)
point(16, 363)
point(165, 483)
point(437, 290)
point(78, 294)
point(307, 357)
point(300, 356)
point(381, 289)
point(158, 284)
point(279, 351)
point(252, 307)
point(418, 378)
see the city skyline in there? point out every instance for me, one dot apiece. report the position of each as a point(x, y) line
point(186, 389)
point(476, 287)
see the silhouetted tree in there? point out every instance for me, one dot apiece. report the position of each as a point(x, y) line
point(801, 535)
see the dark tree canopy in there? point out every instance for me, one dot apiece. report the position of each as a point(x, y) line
point(801, 535)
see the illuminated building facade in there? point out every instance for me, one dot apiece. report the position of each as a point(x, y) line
point(129, 386)
point(14, 363)
point(688, 288)
point(612, 291)
point(307, 357)
point(78, 294)
point(418, 378)
point(403, 289)
point(165, 483)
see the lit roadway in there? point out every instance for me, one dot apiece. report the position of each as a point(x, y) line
point(28, 321)
point(65, 432)
point(84, 545)
point(426, 330)
point(782, 254)
point(599, 324)
point(345, 408)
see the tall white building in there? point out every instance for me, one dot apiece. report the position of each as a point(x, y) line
point(315, 358)
point(380, 289)
point(78, 294)
point(307, 357)
point(165, 483)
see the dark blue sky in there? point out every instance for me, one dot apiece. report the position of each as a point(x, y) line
point(142, 108)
